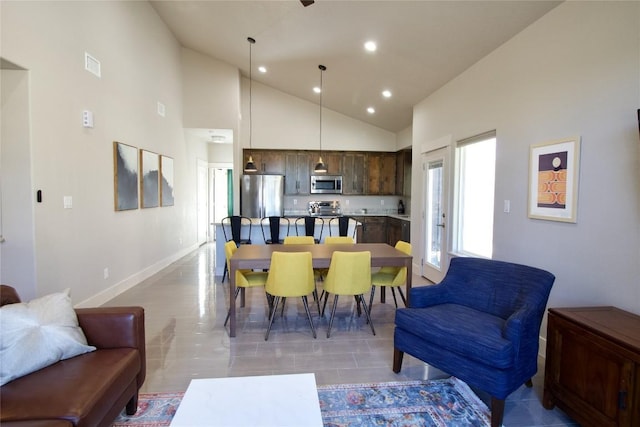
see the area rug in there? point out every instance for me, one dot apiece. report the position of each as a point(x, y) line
point(438, 403)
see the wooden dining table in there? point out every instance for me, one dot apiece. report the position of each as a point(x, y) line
point(259, 257)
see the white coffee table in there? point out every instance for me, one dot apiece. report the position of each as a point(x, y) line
point(273, 400)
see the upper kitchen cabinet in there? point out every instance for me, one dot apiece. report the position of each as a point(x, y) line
point(332, 160)
point(381, 172)
point(268, 162)
point(353, 173)
point(403, 173)
point(298, 172)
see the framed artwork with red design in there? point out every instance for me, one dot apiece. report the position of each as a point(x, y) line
point(553, 180)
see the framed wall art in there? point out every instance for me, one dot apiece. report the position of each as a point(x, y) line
point(553, 180)
point(149, 179)
point(125, 176)
point(166, 181)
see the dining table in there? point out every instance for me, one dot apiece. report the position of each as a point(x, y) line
point(258, 257)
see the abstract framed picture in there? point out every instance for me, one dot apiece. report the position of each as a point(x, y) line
point(125, 176)
point(149, 179)
point(553, 180)
point(166, 181)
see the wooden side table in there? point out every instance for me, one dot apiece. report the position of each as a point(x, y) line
point(592, 369)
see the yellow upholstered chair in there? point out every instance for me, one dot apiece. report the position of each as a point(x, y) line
point(392, 277)
point(305, 240)
point(338, 239)
point(299, 240)
point(244, 278)
point(349, 274)
point(290, 275)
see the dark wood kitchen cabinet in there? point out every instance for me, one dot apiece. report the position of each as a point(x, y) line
point(403, 173)
point(332, 160)
point(381, 173)
point(398, 229)
point(592, 368)
point(270, 162)
point(374, 229)
point(298, 168)
point(353, 173)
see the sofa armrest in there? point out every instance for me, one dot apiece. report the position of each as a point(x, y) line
point(425, 296)
point(522, 328)
point(115, 327)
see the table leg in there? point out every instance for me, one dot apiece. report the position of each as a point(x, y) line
point(232, 300)
point(383, 292)
point(409, 265)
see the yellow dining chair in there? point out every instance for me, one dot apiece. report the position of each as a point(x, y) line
point(349, 274)
point(290, 275)
point(244, 278)
point(305, 240)
point(338, 239)
point(392, 277)
point(299, 240)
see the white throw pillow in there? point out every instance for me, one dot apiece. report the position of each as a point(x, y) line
point(37, 334)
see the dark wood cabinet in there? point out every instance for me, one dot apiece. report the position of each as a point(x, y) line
point(270, 162)
point(374, 229)
point(353, 173)
point(298, 168)
point(381, 173)
point(592, 368)
point(398, 229)
point(403, 173)
point(332, 160)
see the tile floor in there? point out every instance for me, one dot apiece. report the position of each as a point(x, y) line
point(185, 307)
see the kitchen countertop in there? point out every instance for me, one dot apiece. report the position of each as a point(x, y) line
point(405, 217)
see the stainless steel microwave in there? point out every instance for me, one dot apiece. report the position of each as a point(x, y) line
point(326, 184)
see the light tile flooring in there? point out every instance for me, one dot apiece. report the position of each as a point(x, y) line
point(185, 307)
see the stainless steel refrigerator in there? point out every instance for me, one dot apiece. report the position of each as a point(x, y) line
point(262, 195)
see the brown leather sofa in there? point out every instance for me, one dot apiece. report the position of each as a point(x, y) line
point(87, 390)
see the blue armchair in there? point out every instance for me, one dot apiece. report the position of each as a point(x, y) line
point(481, 324)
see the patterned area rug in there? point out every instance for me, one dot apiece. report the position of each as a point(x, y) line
point(441, 403)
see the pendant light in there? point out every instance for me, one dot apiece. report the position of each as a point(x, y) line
point(250, 166)
point(320, 166)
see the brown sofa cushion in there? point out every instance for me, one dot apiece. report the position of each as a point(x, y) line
point(45, 395)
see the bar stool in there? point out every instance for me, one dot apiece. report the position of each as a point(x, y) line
point(309, 224)
point(274, 226)
point(232, 230)
point(343, 223)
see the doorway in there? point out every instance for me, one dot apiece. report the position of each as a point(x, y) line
point(436, 254)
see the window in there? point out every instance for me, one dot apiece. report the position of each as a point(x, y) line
point(475, 178)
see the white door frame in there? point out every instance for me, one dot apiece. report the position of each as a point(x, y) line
point(435, 273)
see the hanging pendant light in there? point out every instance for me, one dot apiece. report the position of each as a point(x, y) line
point(320, 166)
point(250, 166)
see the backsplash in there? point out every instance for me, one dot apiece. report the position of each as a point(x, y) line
point(351, 205)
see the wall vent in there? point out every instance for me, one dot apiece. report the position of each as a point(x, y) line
point(91, 64)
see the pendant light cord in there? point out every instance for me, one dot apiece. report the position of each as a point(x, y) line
point(322, 69)
point(251, 41)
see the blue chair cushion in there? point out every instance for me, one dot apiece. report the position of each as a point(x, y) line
point(467, 332)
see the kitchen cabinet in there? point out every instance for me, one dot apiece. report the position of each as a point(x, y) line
point(398, 229)
point(403, 173)
point(374, 229)
point(381, 173)
point(592, 367)
point(298, 168)
point(270, 162)
point(331, 159)
point(353, 173)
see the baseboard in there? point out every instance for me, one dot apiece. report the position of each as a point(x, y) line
point(131, 281)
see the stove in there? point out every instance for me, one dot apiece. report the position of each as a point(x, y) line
point(325, 208)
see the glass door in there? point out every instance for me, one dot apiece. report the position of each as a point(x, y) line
point(436, 258)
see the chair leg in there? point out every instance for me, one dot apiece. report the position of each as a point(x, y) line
point(234, 301)
point(315, 297)
point(358, 308)
point(224, 273)
point(333, 312)
point(272, 315)
point(284, 300)
point(395, 301)
point(306, 308)
point(324, 305)
point(132, 405)
point(529, 383)
point(373, 292)
point(366, 312)
point(497, 411)
point(404, 300)
point(397, 360)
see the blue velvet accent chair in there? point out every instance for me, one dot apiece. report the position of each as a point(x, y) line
point(481, 324)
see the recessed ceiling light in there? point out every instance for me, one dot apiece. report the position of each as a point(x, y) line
point(370, 46)
point(386, 93)
point(371, 110)
point(317, 89)
point(262, 69)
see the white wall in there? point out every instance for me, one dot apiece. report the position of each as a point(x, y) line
point(141, 65)
point(576, 71)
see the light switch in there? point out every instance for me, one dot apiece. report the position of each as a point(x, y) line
point(507, 206)
point(68, 202)
point(87, 119)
